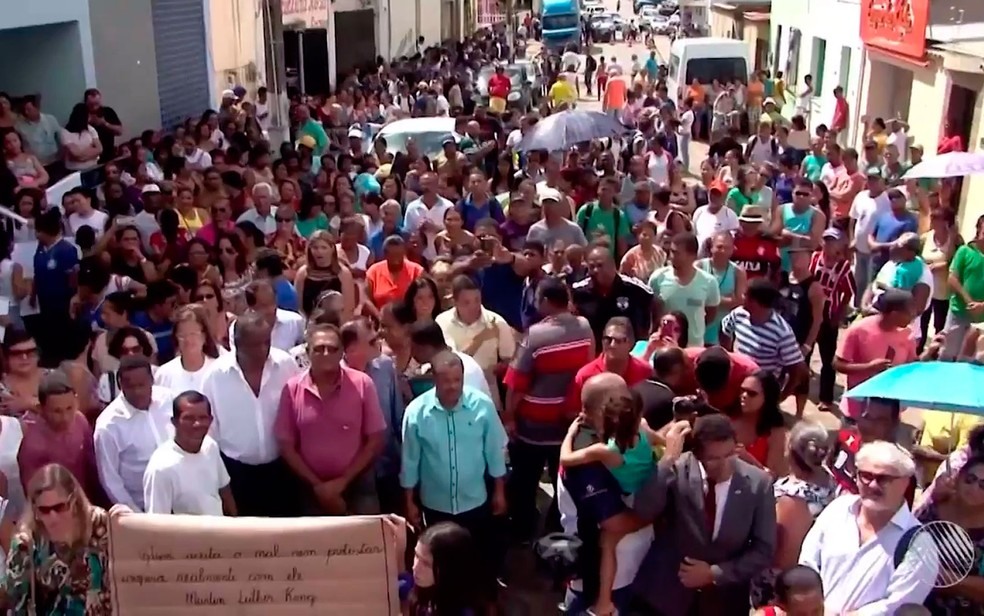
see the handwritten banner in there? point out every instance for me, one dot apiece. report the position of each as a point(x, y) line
point(164, 565)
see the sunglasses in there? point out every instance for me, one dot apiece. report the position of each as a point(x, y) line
point(23, 353)
point(614, 339)
point(801, 193)
point(62, 507)
point(882, 479)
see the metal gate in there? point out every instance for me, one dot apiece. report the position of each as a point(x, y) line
point(355, 32)
point(181, 50)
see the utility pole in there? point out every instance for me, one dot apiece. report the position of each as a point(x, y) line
point(276, 71)
point(511, 28)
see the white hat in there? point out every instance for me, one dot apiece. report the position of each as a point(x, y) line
point(356, 132)
point(548, 194)
point(150, 188)
point(228, 94)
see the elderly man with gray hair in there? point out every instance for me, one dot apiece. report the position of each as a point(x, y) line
point(263, 214)
point(854, 543)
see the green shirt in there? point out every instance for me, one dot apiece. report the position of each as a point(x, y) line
point(602, 221)
point(306, 228)
point(737, 200)
point(692, 299)
point(813, 165)
point(968, 267)
point(894, 177)
point(317, 132)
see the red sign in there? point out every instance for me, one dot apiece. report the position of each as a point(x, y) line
point(896, 26)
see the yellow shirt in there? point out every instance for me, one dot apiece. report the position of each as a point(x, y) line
point(945, 432)
point(460, 335)
point(561, 92)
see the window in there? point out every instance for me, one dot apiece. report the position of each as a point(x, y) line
point(706, 70)
point(560, 22)
point(819, 59)
point(793, 57)
point(674, 65)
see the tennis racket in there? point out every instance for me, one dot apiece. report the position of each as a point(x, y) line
point(942, 551)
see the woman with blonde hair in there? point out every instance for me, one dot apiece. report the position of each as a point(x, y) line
point(322, 271)
point(196, 351)
point(57, 563)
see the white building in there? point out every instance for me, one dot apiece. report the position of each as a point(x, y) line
point(821, 38)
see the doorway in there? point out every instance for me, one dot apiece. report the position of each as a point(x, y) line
point(959, 114)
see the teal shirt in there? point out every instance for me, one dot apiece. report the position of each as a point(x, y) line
point(448, 452)
point(42, 137)
point(638, 463)
point(692, 299)
point(306, 228)
point(317, 132)
point(795, 223)
point(812, 166)
point(726, 287)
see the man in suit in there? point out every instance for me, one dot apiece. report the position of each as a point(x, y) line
point(715, 527)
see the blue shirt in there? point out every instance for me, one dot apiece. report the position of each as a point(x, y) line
point(888, 228)
point(161, 333)
point(382, 371)
point(447, 453)
point(502, 292)
point(376, 241)
point(472, 214)
point(652, 67)
point(53, 269)
point(286, 294)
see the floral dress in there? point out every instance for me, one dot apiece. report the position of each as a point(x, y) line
point(73, 584)
point(945, 604)
point(816, 497)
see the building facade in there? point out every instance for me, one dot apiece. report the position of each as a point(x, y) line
point(928, 69)
point(148, 57)
point(820, 38)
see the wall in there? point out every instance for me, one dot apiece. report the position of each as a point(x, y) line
point(53, 69)
point(431, 17)
point(403, 26)
point(235, 40)
point(972, 204)
point(838, 23)
point(24, 13)
point(956, 20)
point(126, 69)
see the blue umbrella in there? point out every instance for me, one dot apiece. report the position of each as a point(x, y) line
point(936, 385)
point(560, 131)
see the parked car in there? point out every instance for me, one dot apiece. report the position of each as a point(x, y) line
point(637, 5)
point(668, 8)
point(534, 78)
point(660, 24)
point(521, 96)
point(621, 23)
point(602, 29)
point(646, 16)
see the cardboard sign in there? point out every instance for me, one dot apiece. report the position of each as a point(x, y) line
point(176, 565)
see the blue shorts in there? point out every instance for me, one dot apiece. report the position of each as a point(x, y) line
point(595, 492)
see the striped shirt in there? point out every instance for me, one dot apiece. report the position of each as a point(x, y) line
point(541, 374)
point(771, 344)
point(836, 281)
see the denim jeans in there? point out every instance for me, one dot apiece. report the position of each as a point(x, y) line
point(862, 276)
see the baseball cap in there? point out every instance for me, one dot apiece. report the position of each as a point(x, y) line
point(916, 146)
point(384, 171)
point(548, 194)
point(752, 213)
point(150, 188)
point(718, 186)
point(228, 94)
point(239, 91)
point(833, 234)
point(355, 132)
point(873, 172)
point(307, 141)
point(449, 140)
point(908, 241)
point(769, 101)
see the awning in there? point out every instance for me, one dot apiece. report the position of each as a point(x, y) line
point(896, 59)
point(962, 56)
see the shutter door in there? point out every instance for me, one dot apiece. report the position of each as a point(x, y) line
point(180, 49)
point(355, 32)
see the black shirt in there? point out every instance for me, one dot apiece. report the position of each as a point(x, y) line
point(628, 298)
point(657, 402)
point(107, 137)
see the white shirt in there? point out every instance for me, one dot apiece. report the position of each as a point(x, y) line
point(865, 210)
point(96, 220)
point(84, 139)
point(417, 212)
point(570, 59)
point(859, 578)
point(242, 423)
point(658, 167)
point(262, 115)
point(707, 223)
point(474, 376)
point(901, 142)
point(805, 99)
point(686, 123)
point(199, 160)
point(287, 333)
point(266, 224)
point(515, 136)
point(181, 482)
point(443, 106)
point(125, 438)
point(174, 376)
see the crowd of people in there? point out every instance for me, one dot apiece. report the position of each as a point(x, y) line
point(209, 326)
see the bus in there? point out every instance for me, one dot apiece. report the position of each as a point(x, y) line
point(561, 24)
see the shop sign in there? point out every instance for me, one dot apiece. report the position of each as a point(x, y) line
point(896, 26)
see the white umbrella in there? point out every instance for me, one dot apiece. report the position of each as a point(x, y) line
point(949, 165)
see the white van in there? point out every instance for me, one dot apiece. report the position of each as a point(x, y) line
point(706, 59)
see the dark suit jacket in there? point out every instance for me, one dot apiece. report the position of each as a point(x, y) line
point(745, 544)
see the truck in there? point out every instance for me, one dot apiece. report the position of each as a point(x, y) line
point(561, 24)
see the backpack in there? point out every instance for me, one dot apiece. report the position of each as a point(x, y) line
point(590, 64)
point(773, 144)
point(616, 218)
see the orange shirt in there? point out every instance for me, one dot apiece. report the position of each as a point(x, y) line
point(386, 286)
point(615, 94)
point(696, 93)
point(754, 93)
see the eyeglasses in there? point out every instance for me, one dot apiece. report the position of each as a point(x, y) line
point(882, 479)
point(801, 193)
point(61, 507)
point(614, 339)
point(23, 353)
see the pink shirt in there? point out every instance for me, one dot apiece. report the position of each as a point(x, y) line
point(328, 430)
point(864, 342)
point(72, 448)
point(209, 232)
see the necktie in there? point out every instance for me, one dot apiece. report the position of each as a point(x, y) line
point(710, 508)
